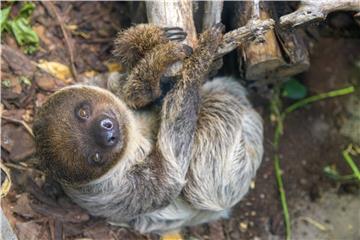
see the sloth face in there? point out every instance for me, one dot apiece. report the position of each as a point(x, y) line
point(80, 133)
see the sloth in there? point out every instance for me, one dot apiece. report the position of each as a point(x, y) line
point(155, 171)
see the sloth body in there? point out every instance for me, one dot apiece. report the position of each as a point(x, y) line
point(157, 171)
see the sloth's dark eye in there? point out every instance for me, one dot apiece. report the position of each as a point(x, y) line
point(83, 111)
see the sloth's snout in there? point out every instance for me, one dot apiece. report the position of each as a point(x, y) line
point(106, 131)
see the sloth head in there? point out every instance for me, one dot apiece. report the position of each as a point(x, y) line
point(80, 133)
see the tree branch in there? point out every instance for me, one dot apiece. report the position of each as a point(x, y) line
point(317, 10)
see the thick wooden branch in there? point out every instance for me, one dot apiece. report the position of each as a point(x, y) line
point(212, 13)
point(252, 31)
point(317, 10)
point(173, 14)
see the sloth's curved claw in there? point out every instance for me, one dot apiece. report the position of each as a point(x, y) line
point(175, 33)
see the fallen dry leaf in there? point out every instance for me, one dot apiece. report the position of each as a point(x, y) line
point(31, 231)
point(14, 113)
point(216, 231)
point(98, 231)
point(40, 99)
point(23, 208)
point(11, 86)
point(6, 206)
point(90, 73)
point(28, 116)
point(45, 83)
point(114, 67)
point(18, 62)
point(56, 69)
point(6, 183)
point(17, 141)
point(40, 31)
point(71, 27)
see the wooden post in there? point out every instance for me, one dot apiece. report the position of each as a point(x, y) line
point(177, 13)
point(260, 58)
point(173, 14)
point(291, 41)
point(212, 13)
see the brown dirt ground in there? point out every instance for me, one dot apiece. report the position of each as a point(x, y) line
point(311, 140)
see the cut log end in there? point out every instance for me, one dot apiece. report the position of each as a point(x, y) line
point(263, 70)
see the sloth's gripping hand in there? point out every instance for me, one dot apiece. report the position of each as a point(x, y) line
point(146, 51)
point(143, 84)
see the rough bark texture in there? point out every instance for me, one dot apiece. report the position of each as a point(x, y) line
point(212, 13)
point(173, 14)
point(259, 58)
point(295, 53)
point(317, 10)
point(252, 31)
point(294, 49)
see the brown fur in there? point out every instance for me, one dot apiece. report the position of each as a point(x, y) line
point(132, 45)
point(61, 143)
point(143, 84)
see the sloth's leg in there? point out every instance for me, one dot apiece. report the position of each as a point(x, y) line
point(132, 44)
point(143, 84)
point(227, 148)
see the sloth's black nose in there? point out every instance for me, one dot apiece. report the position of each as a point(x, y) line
point(106, 131)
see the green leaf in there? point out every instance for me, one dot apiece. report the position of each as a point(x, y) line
point(24, 34)
point(26, 10)
point(4, 16)
point(294, 89)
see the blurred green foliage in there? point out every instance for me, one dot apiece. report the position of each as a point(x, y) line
point(293, 89)
point(20, 26)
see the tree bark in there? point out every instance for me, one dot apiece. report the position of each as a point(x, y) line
point(294, 49)
point(252, 31)
point(316, 10)
point(212, 13)
point(173, 14)
point(262, 57)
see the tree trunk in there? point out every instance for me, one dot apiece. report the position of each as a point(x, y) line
point(173, 14)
